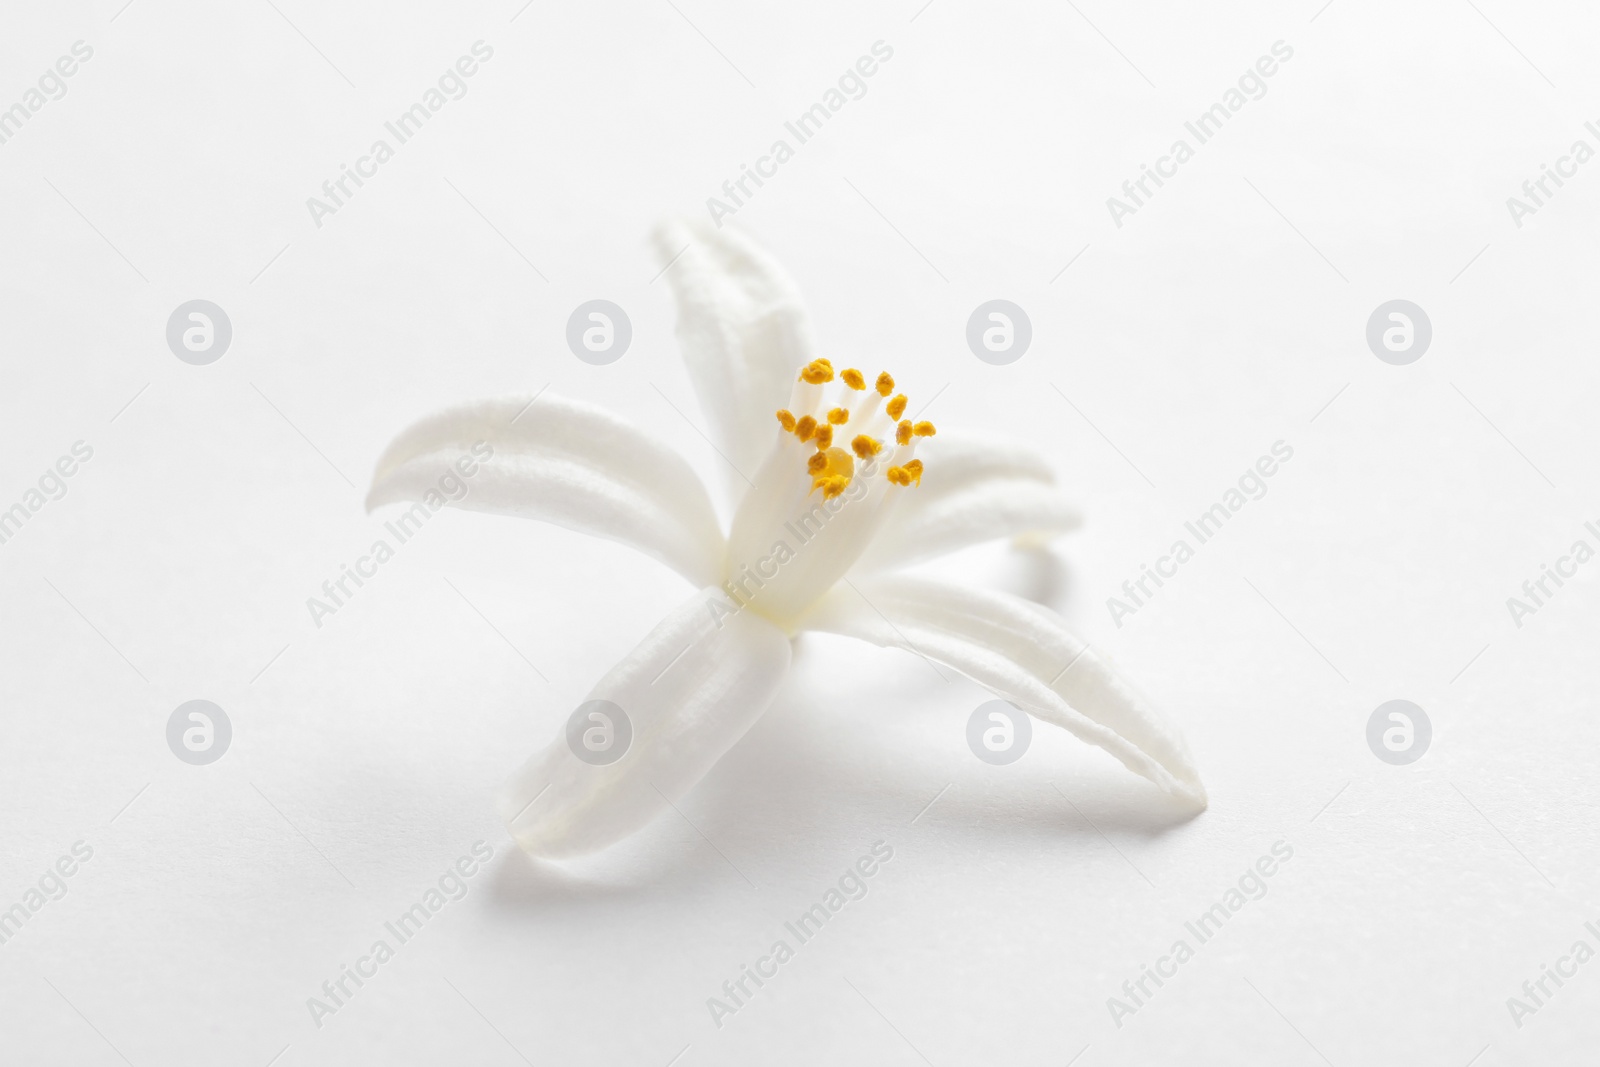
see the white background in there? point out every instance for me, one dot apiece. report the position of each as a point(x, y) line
point(1227, 314)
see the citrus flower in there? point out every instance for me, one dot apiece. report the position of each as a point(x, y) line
point(836, 491)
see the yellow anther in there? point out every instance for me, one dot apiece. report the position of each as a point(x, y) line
point(817, 372)
point(832, 468)
point(865, 446)
point(910, 474)
point(835, 473)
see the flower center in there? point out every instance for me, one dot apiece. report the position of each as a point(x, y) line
point(845, 454)
point(871, 411)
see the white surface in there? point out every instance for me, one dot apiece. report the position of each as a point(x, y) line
point(1194, 337)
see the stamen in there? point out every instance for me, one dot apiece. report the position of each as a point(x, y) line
point(865, 446)
point(835, 473)
point(817, 372)
point(832, 469)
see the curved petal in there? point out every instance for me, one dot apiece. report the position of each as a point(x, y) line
point(973, 490)
point(561, 461)
point(743, 331)
point(1023, 653)
point(688, 692)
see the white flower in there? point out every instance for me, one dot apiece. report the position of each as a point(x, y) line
point(837, 503)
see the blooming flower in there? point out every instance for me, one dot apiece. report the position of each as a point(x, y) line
point(840, 502)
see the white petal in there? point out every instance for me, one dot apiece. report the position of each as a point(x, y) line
point(743, 331)
point(790, 544)
point(1023, 653)
point(972, 491)
point(690, 690)
point(564, 462)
